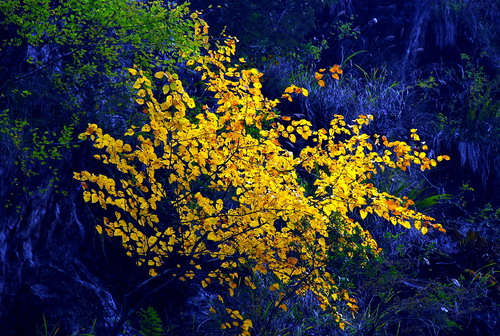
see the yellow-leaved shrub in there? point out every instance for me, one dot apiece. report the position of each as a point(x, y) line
point(208, 193)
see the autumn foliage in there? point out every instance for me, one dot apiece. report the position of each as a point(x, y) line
point(205, 191)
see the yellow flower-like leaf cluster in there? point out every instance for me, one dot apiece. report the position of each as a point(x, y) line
point(208, 190)
point(335, 71)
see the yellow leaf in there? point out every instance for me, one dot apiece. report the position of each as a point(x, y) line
point(363, 213)
point(284, 307)
point(99, 229)
point(165, 105)
point(152, 240)
point(132, 71)
point(138, 83)
point(321, 241)
point(443, 157)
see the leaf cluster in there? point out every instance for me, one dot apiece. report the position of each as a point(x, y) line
point(238, 204)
